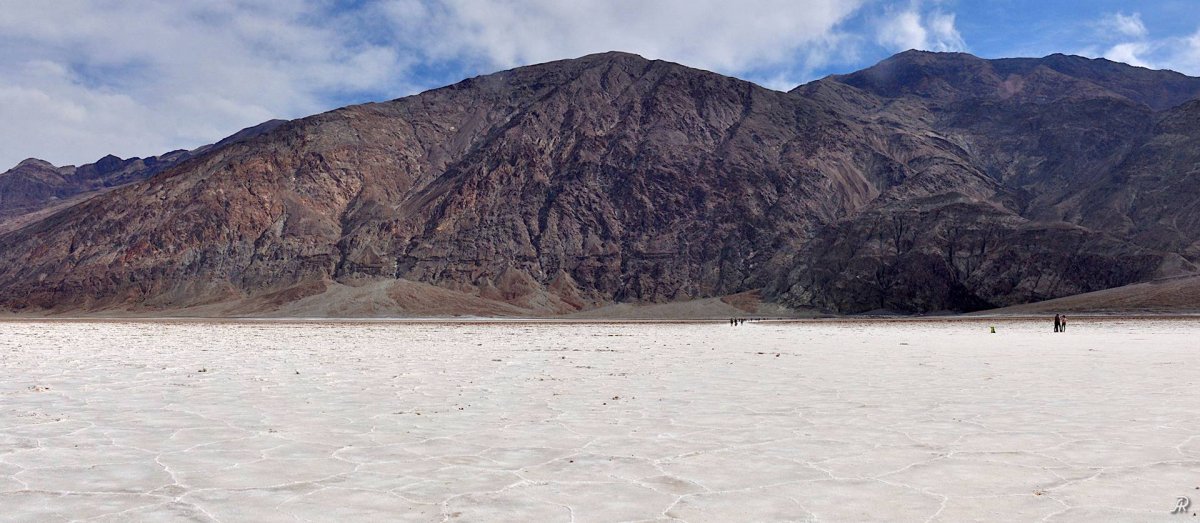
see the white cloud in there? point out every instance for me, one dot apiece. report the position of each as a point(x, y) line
point(80, 79)
point(903, 31)
point(1180, 54)
point(1187, 60)
point(911, 28)
point(1129, 26)
point(729, 37)
point(84, 78)
point(943, 35)
point(1131, 53)
point(1124, 38)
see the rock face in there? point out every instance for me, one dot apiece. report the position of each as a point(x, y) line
point(1075, 147)
point(929, 182)
point(35, 185)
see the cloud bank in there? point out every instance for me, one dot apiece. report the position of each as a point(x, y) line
point(83, 78)
point(80, 79)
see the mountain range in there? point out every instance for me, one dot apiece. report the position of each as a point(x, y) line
point(930, 182)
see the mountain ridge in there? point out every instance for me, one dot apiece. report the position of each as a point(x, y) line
point(577, 184)
point(34, 187)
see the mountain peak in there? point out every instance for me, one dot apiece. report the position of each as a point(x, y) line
point(958, 76)
point(587, 60)
point(109, 163)
point(931, 55)
point(612, 55)
point(35, 162)
point(251, 132)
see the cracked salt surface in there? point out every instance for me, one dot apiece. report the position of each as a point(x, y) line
point(852, 421)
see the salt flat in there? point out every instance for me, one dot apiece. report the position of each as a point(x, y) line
point(816, 421)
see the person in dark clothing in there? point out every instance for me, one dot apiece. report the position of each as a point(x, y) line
point(1057, 323)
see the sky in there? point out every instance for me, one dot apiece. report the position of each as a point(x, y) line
point(80, 79)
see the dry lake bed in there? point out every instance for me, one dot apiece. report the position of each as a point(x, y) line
point(533, 422)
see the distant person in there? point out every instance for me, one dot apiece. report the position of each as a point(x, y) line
point(1057, 323)
point(1063, 326)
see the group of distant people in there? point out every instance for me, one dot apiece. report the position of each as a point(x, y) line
point(734, 322)
point(1060, 323)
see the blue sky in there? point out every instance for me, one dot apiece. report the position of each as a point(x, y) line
point(84, 78)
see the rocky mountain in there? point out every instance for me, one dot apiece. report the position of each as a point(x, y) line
point(928, 182)
point(35, 186)
point(1060, 135)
